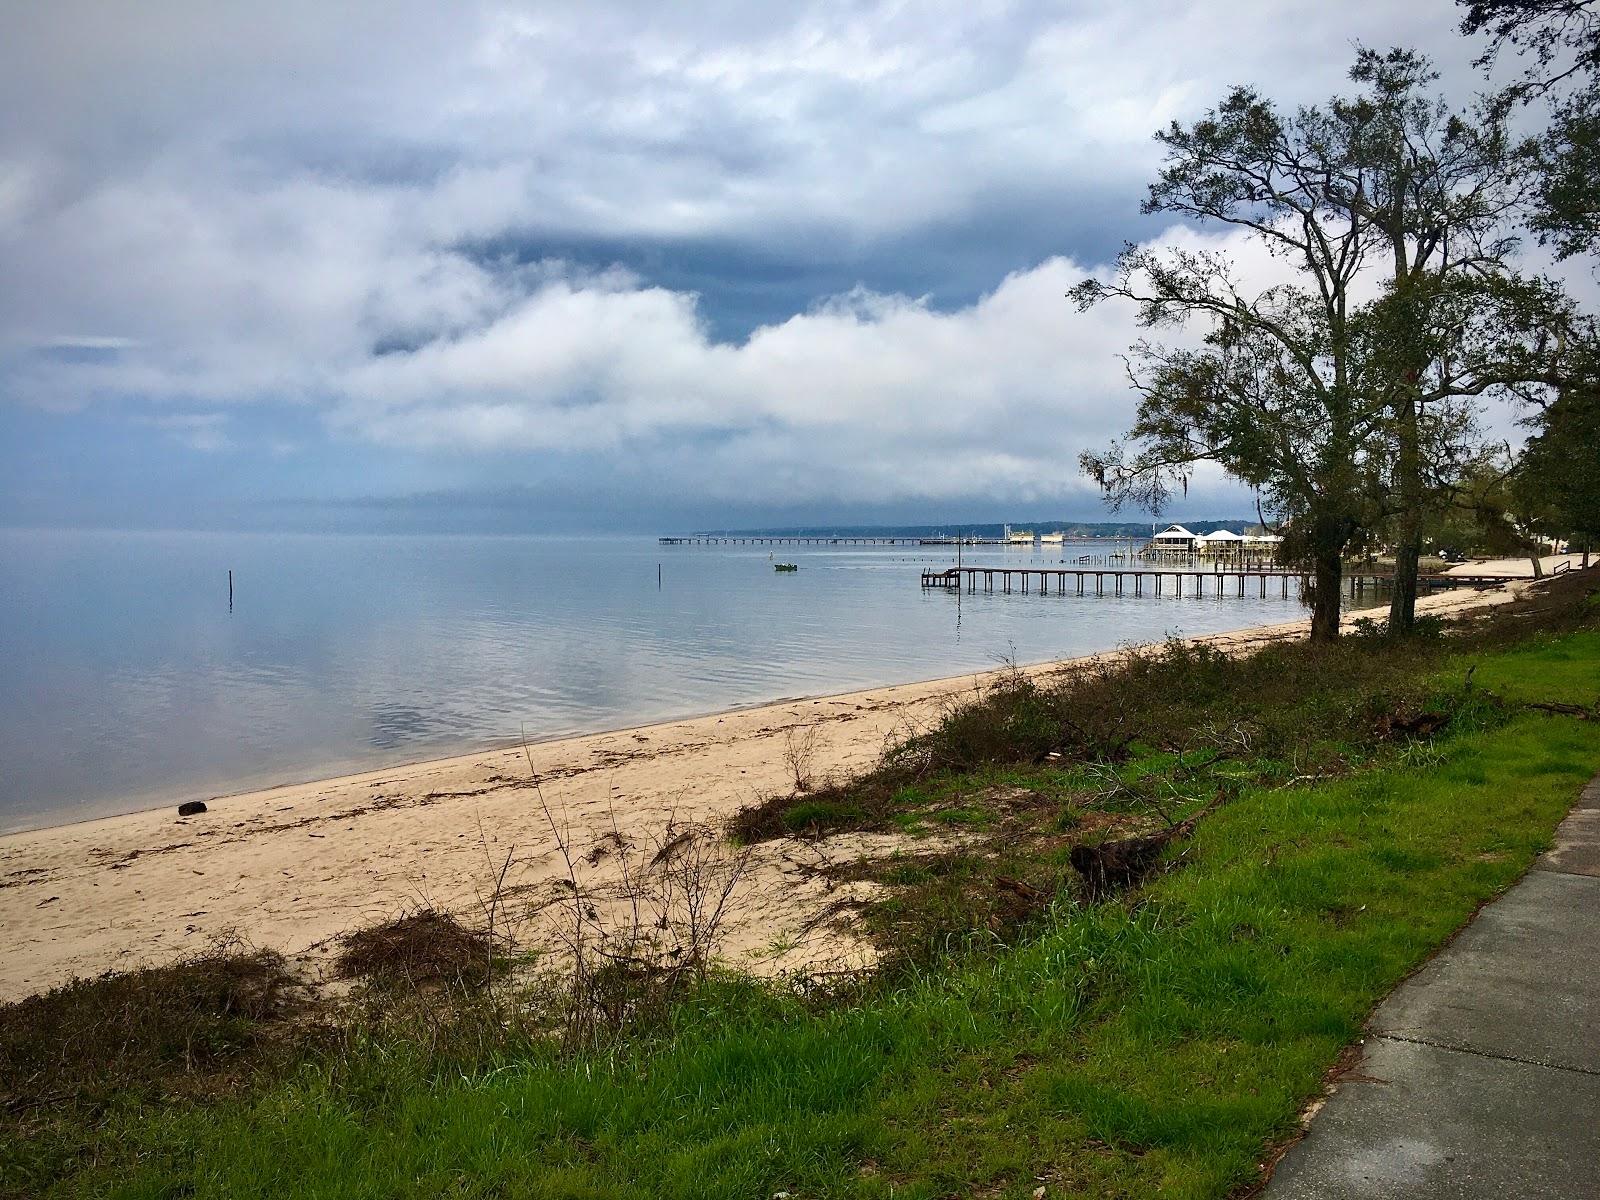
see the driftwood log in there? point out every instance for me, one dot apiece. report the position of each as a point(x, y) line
point(1423, 724)
point(1115, 866)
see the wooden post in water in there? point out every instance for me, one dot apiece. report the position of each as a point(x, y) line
point(230, 589)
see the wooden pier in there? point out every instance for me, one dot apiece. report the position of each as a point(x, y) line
point(715, 539)
point(1154, 582)
point(723, 539)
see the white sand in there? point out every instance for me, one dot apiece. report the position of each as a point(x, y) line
point(1513, 566)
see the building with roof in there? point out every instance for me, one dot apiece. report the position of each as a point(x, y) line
point(1220, 541)
point(1174, 539)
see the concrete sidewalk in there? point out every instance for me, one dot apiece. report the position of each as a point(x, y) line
point(1480, 1076)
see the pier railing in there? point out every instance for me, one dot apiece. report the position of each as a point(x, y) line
point(1156, 582)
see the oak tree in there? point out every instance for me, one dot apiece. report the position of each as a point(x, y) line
point(1346, 394)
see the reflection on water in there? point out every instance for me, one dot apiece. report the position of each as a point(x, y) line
point(127, 681)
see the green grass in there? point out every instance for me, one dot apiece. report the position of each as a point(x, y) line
point(1550, 668)
point(1155, 1047)
point(817, 814)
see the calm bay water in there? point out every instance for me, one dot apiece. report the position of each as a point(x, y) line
point(125, 682)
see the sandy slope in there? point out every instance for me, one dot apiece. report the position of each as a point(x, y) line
point(291, 867)
point(1514, 566)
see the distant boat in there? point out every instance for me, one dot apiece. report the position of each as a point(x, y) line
point(785, 566)
point(1020, 537)
point(1053, 539)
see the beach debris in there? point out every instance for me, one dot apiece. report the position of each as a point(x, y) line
point(192, 808)
point(1567, 710)
point(1116, 866)
point(606, 844)
point(671, 848)
point(424, 947)
point(1421, 724)
point(1113, 867)
point(1017, 887)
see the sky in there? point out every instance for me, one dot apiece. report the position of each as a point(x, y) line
point(597, 266)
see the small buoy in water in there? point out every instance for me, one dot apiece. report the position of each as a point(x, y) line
point(193, 808)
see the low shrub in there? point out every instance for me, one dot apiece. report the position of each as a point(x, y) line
point(92, 1040)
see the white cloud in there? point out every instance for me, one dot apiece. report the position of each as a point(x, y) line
point(88, 341)
point(880, 396)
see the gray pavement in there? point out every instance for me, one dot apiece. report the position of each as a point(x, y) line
point(1480, 1076)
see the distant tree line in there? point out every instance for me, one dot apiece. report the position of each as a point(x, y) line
point(1349, 390)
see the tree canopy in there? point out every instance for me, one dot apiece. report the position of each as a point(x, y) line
point(1558, 479)
point(1346, 394)
point(1558, 42)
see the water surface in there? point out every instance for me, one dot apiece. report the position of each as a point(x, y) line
point(127, 682)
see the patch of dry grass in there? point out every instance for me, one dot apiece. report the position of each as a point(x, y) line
point(93, 1039)
point(425, 948)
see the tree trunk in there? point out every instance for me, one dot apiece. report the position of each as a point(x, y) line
point(1403, 600)
point(1538, 563)
point(1408, 545)
point(1326, 586)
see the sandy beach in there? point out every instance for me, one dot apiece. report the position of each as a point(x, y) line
point(293, 867)
point(1517, 566)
